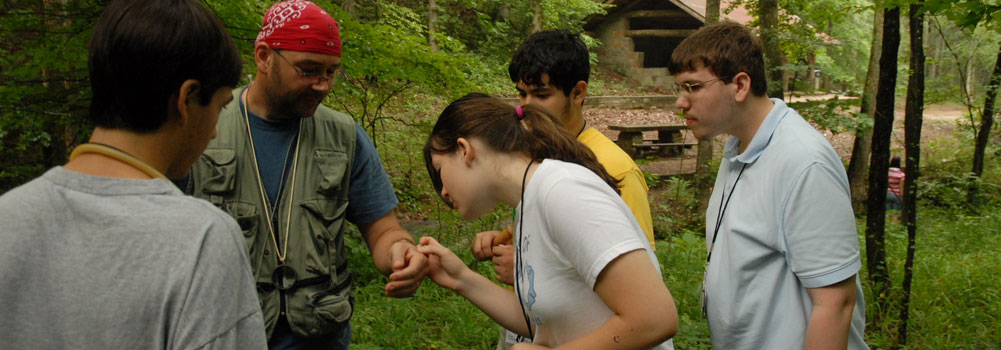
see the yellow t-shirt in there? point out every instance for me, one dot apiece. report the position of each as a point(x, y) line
point(632, 185)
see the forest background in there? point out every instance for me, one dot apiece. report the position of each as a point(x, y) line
point(930, 280)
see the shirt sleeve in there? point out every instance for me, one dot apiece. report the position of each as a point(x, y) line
point(819, 228)
point(587, 226)
point(635, 194)
point(371, 195)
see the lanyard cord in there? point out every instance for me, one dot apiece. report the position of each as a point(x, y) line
point(281, 181)
point(116, 154)
point(281, 254)
point(722, 210)
point(518, 262)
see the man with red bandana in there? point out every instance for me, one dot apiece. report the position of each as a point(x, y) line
point(291, 171)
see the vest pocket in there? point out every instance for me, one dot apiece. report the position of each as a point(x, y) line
point(331, 167)
point(332, 310)
point(220, 174)
point(246, 216)
point(324, 222)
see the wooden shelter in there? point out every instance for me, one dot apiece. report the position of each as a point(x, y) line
point(638, 36)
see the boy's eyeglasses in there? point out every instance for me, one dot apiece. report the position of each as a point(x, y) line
point(689, 88)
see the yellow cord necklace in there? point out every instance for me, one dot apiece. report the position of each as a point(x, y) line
point(116, 154)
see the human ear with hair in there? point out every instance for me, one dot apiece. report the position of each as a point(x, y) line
point(183, 100)
point(262, 58)
point(742, 83)
point(578, 94)
point(465, 150)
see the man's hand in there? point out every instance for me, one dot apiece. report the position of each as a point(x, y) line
point(528, 346)
point(408, 269)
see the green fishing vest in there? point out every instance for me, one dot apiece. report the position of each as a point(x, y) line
point(321, 300)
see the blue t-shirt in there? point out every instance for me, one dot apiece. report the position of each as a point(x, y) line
point(370, 196)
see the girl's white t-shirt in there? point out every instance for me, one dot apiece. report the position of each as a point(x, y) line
point(574, 225)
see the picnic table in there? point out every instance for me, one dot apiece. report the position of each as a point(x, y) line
point(669, 142)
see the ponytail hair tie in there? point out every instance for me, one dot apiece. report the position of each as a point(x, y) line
point(520, 114)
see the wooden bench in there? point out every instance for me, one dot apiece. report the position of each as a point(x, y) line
point(669, 142)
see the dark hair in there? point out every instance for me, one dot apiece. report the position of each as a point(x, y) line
point(538, 135)
point(726, 49)
point(143, 50)
point(895, 162)
point(557, 52)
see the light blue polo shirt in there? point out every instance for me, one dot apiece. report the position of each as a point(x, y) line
point(788, 226)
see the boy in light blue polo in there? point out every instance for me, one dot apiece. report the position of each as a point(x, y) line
point(783, 246)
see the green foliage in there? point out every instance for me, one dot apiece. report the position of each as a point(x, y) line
point(435, 318)
point(944, 183)
point(962, 62)
point(837, 33)
point(652, 180)
point(675, 208)
point(834, 115)
point(967, 13)
point(386, 57)
point(954, 300)
point(682, 261)
point(44, 89)
point(243, 20)
point(570, 14)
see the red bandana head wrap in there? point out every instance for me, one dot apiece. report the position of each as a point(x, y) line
point(299, 25)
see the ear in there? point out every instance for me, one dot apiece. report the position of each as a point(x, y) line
point(578, 93)
point(742, 82)
point(466, 150)
point(262, 57)
point(186, 97)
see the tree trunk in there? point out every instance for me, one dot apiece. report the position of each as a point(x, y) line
point(935, 49)
point(536, 16)
point(432, 18)
point(349, 7)
point(712, 11)
point(971, 73)
point(859, 163)
point(879, 163)
point(703, 172)
point(768, 13)
point(912, 151)
point(986, 124)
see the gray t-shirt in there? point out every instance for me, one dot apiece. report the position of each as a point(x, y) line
point(103, 263)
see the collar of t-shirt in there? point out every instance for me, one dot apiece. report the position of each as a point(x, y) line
point(761, 138)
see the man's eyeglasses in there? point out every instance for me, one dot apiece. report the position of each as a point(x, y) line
point(312, 76)
point(689, 88)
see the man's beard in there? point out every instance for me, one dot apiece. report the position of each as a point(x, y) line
point(289, 104)
point(294, 106)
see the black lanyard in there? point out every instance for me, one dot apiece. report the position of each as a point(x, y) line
point(722, 209)
point(518, 261)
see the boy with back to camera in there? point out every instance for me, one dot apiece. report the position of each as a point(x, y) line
point(104, 252)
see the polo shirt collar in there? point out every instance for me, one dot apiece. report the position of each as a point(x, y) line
point(761, 138)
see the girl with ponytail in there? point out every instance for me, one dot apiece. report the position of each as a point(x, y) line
point(585, 274)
